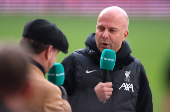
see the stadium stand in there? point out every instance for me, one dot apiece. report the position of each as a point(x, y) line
point(134, 8)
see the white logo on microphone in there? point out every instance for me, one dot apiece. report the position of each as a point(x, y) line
point(51, 74)
point(60, 74)
point(108, 59)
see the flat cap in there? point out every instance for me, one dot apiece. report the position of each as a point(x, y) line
point(47, 33)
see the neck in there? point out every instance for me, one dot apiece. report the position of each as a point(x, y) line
point(40, 59)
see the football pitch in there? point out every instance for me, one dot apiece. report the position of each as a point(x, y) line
point(148, 39)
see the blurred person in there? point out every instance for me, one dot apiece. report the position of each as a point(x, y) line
point(166, 100)
point(42, 41)
point(129, 87)
point(14, 84)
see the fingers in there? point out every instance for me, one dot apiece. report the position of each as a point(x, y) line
point(103, 91)
point(107, 96)
point(108, 84)
point(107, 89)
point(107, 92)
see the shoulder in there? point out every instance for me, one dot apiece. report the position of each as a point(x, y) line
point(70, 59)
point(140, 67)
point(53, 88)
point(47, 96)
point(78, 51)
point(140, 64)
point(53, 100)
point(40, 84)
point(53, 92)
point(37, 80)
point(137, 62)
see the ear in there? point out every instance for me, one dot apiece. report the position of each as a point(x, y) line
point(125, 35)
point(49, 52)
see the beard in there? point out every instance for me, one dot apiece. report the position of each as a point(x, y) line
point(107, 44)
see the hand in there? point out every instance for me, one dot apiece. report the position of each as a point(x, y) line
point(103, 90)
point(64, 93)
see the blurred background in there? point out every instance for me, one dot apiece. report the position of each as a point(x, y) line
point(148, 36)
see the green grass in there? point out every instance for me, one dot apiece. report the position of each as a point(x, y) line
point(148, 39)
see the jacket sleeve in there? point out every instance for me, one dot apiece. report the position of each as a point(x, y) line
point(80, 101)
point(54, 103)
point(144, 101)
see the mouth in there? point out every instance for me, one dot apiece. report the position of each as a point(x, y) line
point(104, 45)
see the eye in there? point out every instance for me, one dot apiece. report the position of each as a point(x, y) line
point(100, 28)
point(112, 30)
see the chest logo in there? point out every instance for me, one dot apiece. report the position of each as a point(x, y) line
point(127, 75)
point(90, 71)
point(127, 87)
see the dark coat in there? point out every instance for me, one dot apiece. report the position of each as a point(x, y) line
point(131, 91)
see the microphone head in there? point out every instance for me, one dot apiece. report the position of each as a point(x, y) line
point(56, 74)
point(107, 59)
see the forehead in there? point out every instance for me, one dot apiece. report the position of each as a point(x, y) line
point(114, 19)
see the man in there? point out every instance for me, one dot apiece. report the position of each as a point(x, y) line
point(83, 80)
point(167, 95)
point(42, 41)
point(14, 84)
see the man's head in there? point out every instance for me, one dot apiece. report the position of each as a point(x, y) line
point(13, 67)
point(111, 28)
point(42, 40)
point(14, 84)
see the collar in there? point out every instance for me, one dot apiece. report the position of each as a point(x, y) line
point(95, 54)
point(32, 61)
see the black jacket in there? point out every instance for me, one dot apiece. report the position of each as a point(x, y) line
point(131, 91)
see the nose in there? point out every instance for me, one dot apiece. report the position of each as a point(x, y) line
point(105, 34)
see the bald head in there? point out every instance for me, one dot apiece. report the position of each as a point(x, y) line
point(111, 28)
point(115, 12)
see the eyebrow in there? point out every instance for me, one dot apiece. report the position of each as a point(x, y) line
point(109, 28)
point(113, 28)
point(99, 26)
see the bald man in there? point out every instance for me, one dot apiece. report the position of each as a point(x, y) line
point(128, 90)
